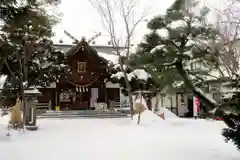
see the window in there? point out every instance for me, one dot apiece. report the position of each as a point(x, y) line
point(81, 67)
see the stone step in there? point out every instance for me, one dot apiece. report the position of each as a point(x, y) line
point(81, 116)
point(81, 112)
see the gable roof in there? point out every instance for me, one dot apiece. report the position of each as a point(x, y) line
point(106, 52)
point(83, 45)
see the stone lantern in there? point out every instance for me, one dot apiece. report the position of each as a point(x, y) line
point(31, 104)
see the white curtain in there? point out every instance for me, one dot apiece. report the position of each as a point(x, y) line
point(94, 96)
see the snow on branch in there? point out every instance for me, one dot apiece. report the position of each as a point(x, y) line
point(206, 96)
point(178, 24)
point(140, 74)
point(163, 33)
point(158, 48)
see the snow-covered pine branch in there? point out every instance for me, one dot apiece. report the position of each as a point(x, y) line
point(137, 74)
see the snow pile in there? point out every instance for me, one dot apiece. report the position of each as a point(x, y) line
point(4, 120)
point(169, 115)
point(149, 118)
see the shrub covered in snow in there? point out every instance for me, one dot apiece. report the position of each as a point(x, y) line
point(231, 116)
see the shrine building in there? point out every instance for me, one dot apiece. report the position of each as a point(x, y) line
point(88, 82)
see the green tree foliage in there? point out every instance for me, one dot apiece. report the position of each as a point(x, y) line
point(26, 29)
point(231, 113)
point(178, 41)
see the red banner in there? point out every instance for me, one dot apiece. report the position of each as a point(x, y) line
point(197, 102)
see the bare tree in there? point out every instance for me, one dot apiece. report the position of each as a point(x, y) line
point(228, 22)
point(126, 10)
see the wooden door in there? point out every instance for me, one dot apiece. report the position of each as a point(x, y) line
point(82, 100)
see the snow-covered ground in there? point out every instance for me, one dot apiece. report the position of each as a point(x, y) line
point(119, 139)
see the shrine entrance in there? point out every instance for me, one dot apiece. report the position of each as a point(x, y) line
point(82, 99)
point(74, 99)
point(85, 86)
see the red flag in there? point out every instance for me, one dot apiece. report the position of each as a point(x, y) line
point(197, 102)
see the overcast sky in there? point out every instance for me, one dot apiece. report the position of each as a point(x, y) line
point(81, 19)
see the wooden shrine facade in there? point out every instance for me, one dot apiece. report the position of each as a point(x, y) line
point(85, 86)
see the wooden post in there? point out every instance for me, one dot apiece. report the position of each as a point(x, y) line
point(56, 98)
point(177, 104)
point(49, 105)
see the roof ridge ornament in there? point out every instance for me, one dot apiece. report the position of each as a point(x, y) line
point(83, 39)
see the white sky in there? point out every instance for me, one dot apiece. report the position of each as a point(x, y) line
point(81, 19)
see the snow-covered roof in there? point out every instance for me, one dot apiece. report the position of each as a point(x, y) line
point(106, 52)
point(99, 48)
point(32, 91)
point(113, 58)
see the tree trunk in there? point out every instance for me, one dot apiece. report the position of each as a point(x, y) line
point(139, 118)
point(129, 95)
point(198, 93)
point(22, 96)
point(156, 109)
point(129, 89)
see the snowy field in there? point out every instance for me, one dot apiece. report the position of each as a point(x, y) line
point(119, 139)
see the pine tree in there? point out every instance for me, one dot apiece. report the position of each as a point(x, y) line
point(27, 52)
point(177, 41)
point(231, 113)
point(27, 56)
